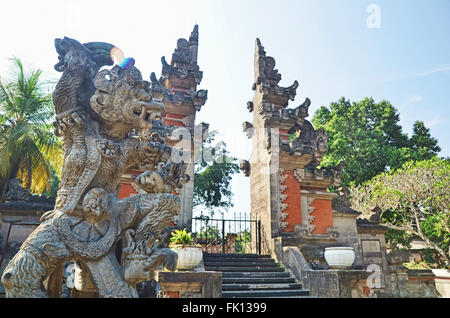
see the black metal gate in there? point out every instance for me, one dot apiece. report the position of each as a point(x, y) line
point(237, 235)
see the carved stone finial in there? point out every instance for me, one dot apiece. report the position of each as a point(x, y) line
point(302, 110)
point(248, 129)
point(250, 106)
point(186, 50)
point(267, 79)
point(265, 71)
point(156, 87)
point(244, 165)
point(194, 35)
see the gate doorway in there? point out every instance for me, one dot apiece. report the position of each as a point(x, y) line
point(237, 235)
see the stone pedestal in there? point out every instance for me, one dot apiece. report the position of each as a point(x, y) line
point(191, 284)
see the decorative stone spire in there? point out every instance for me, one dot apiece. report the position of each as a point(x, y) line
point(297, 135)
point(267, 79)
point(193, 40)
point(265, 71)
point(182, 75)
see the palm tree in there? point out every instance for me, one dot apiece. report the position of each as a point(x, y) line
point(29, 148)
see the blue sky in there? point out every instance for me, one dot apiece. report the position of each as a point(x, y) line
point(326, 45)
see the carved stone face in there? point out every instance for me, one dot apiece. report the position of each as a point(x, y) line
point(270, 63)
point(321, 145)
point(182, 44)
point(95, 205)
point(322, 139)
point(124, 98)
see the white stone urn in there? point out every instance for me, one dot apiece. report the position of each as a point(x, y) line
point(339, 257)
point(189, 256)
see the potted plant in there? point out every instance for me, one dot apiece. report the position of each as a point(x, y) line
point(339, 257)
point(189, 253)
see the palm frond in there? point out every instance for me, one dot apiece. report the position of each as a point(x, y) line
point(27, 139)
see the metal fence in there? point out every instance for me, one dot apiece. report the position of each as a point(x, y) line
point(236, 235)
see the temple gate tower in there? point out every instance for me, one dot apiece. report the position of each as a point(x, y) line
point(288, 190)
point(177, 89)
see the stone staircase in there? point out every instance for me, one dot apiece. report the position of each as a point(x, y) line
point(250, 275)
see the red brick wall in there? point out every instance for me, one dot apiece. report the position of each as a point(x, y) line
point(293, 201)
point(284, 131)
point(323, 215)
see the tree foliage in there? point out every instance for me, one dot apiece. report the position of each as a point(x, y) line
point(213, 173)
point(414, 200)
point(368, 138)
point(29, 148)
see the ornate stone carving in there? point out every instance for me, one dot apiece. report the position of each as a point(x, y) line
point(248, 129)
point(283, 197)
point(299, 174)
point(250, 106)
point(244, 165)
point(265, 67)
point(184, 75)
point(96, 114)
point(157, 88)
point(267, 78)
point(310, 217)
point(302, 230)
point(16, 192)
point(332, 232)
point(184, 58)
point(272, 107)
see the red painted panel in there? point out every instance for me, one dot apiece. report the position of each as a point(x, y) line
point(323, 215)
point(293, 201)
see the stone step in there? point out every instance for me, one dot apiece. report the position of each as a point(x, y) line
point(251, 275)
point(309, 296)
point(241, 264)
point(243, 269)
point(258, 280)
point(264, 286)
point(229, 256)
point(255, 275)
point(264, 293)
point(237, 260)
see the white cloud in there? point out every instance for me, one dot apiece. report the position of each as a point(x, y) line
point(433, 122)
point(439, 69)
point(415, 98)
point(445, 68)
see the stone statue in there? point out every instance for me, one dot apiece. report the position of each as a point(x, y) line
point(99, 114)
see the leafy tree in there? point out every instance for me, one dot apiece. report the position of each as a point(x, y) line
point(369, 140)
point(28, 146)
point(242, 240)
point(213, 173)
point(209, 233)
point(414, 199)
point(422, 145)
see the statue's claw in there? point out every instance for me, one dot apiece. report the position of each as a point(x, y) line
point(141, 268)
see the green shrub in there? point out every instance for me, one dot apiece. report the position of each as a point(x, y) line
point(181, 237)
